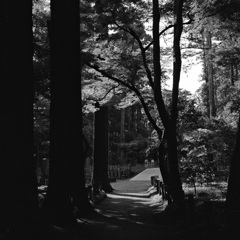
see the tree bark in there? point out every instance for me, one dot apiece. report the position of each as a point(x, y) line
point(169, 122)
point(232, 207)
point(236, 72)
point(205, 67)
point(122, 134)
point(18, 201)
point(100, 172)
point(175, 185)
point(232, 77)
point(211, 97)
point(162, 160)
point(66, 174)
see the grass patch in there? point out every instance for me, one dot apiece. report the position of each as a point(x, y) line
point(207, 192)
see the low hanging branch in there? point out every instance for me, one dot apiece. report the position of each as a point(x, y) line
point(105, 95)
point(143, 51)
point(164, 30)
point(133, 89)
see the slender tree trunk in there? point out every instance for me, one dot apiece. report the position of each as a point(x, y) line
point(18, 201)
point(101, 151)
point(66, 175)
point(175, 185)
point(157, 87)
point(212, 108)
point(122, 134)
point(169, 122)
point(232, 77)
point(162, 159)
point(236, 72)
point(174, 180)
point(205, 65)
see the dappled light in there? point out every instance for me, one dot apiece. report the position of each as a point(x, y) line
point(128, 211)
point(99, 141)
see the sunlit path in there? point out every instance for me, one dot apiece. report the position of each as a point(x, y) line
point(133, 207)
point(133, 199)
point(146, 175)
point(127, 213)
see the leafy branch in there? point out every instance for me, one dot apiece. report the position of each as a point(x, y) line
point(105, 95)
point(130, 87)
point(165, 29)
point(143, 51)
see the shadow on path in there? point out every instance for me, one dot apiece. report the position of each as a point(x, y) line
point(125, 215)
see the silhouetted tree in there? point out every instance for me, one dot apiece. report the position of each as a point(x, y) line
point(18, 201)
point(169, 120)
point(66, 191)
point(100, 176)
point(233, 193)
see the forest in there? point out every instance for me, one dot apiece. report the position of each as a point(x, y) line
point(91, 91)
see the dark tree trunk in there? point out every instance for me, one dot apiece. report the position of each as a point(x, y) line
point(157, 88)
point(66, 175)
point(169, 122)
point(205, 67)
point(122, 134)
point(236, 72)
point(100, 172)
point(232, 77)
point(18, 201)
point(163, 160)
point(233, 194)
point(174, 180)
point(210, 80)
point(175, 185)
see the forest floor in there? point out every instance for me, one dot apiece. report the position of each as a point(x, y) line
point(134, 211)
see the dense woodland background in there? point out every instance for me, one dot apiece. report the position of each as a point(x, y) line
point(89, 80)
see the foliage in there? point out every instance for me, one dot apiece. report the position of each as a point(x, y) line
point(41, 64)
point(136, 136)
point(41, 61)
point(41, 119)
point(207, 149)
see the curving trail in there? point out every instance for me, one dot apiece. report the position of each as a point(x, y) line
point(126, 214)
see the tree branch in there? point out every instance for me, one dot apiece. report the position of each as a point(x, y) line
point(105, 95)
point(133, 89)
point(143, 52)
point(165, 29)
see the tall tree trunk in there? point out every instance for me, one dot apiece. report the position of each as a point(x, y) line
point(175, 185)
point(163, 160)
point(18, 201)
point(232, 77)
point(236, 72)
point(169, 122)
point(66, 175)
point(205, 67)
point(157, 88)
point(232, 207)
point(101, 151)
point(122, 134)
point(211, 97)
point(174, 180)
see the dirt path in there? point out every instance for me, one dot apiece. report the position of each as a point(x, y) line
point(126, 214)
